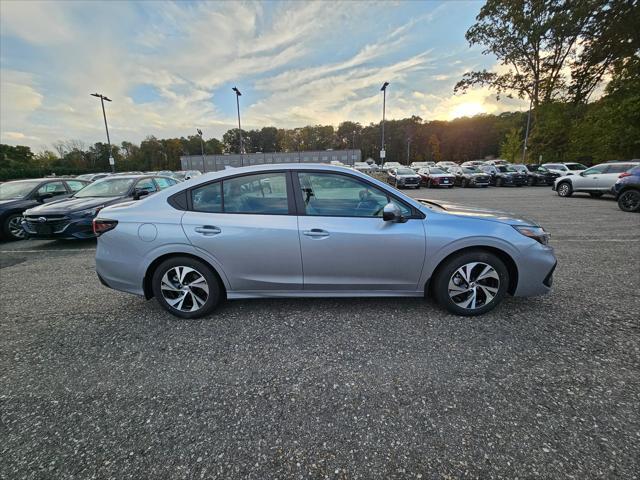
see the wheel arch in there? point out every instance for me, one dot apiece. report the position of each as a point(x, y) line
point(151, 268)
point(501, 254)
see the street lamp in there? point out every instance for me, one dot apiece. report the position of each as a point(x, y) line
point(104, 115)
point(383, 154)
point(201, 145)
point(235, 89)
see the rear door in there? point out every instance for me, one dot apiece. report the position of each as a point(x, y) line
point(248, 224)
point(345, 243)
point(611, 174)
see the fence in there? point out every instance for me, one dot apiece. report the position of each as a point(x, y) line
point(212, 163)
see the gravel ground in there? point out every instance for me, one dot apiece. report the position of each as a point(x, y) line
point(99, 384)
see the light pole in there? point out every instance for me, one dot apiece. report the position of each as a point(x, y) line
point(104, 115)
point(235, 89)
point(408, 149)
point(383, 153)
point(526, 135)
point(201, 146)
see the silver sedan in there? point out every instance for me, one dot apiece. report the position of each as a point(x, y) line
point(314, 231)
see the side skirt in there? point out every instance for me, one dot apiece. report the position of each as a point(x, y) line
point(322, 293)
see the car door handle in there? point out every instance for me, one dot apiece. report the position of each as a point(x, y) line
point(316, 233)
point(208, 230)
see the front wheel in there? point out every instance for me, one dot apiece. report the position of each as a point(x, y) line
point(472, 283)
point(499, 182)
point(564, 189)
point(186, 287)
point(531, 182)
point(629, 201)
point(12, 227)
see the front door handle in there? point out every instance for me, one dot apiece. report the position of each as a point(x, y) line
point(208, 230)
point(316, 233)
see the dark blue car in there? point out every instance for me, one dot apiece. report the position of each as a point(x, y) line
point(627, 190)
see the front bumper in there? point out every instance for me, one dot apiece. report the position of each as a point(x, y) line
point(63, 228)
point(536, 266)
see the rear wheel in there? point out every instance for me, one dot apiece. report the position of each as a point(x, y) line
point(629, 201)
point(12, 227)
point(186, 288)
point(471, 283)
point(564, 189)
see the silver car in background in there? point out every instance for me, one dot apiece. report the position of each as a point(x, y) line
point(301, 230)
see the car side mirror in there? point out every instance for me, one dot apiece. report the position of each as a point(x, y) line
point(139, 193)
point(44, 196)
point(392, 213)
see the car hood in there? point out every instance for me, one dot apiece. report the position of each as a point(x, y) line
point(481, 213)
point(407, 175)
point(72, 204)
point(440, 175)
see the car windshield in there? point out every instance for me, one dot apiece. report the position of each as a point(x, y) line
point(504, 168)
point(576, 166)
point(112, 187)
point(435, 170)
point(470, 170)
point(16, 189)
point(405, 171)
point(536, 168)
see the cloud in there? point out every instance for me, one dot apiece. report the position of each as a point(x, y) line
point(297, 63)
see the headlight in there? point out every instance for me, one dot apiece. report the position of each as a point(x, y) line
point(90, 212)
point(537, 233)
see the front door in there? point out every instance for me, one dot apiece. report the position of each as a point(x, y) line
point(345, 243)
point(248, 225)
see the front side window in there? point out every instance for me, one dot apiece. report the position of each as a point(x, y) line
point(146, 184)
point(576, 166)
point(329, 194)
point(164, 182)
point(595, 170)
point(264, 193)
point(75, 185)
point(55, 188)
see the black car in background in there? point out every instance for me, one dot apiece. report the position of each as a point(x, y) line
point(536, 174)
point(72, 217)
point(504, 175)
point(627, 190)
point(19, 195)
point(470, 177)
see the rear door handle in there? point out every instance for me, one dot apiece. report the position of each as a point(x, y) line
point(208, 230)
point(316, 233)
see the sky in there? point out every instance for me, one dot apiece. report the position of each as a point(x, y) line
point(169, 67)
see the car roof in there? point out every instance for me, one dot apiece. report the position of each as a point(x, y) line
point(46, 179)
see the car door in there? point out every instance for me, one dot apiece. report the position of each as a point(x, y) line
point(248, 224)
point(610, 175)
point(345, 243)
point(589, 179)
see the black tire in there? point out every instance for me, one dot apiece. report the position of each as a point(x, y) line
point(564, 189)
point(465, 183)
point(450, 186)
point(498, 182)
point(446, 271)
point(215, 289)
point(596, 194)
point(629, 201)
point(531, 182)
point(9, 228)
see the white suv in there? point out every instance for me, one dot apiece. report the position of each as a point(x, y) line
point(596, 181)
point(565, 168)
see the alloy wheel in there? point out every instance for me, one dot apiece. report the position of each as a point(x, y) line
point(15, 227)
point(629, 201)
point(473, 285)
point(184, 288)
point(564, 189)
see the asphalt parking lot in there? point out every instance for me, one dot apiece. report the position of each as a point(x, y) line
point(99, 384)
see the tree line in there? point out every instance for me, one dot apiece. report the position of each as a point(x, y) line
point(557, 54)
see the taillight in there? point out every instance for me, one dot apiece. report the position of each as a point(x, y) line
point(101, 225)
point(624, 174)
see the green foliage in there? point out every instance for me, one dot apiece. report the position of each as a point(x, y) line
point(511, 147)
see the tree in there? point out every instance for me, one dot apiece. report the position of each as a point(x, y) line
point(511, 147)
point(537, 41)
point(434, 147)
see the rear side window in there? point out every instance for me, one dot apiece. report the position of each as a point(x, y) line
point(618, 168)
point(207, 198)
point(259, 194)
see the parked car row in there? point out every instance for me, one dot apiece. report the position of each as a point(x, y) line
point(65, 207)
